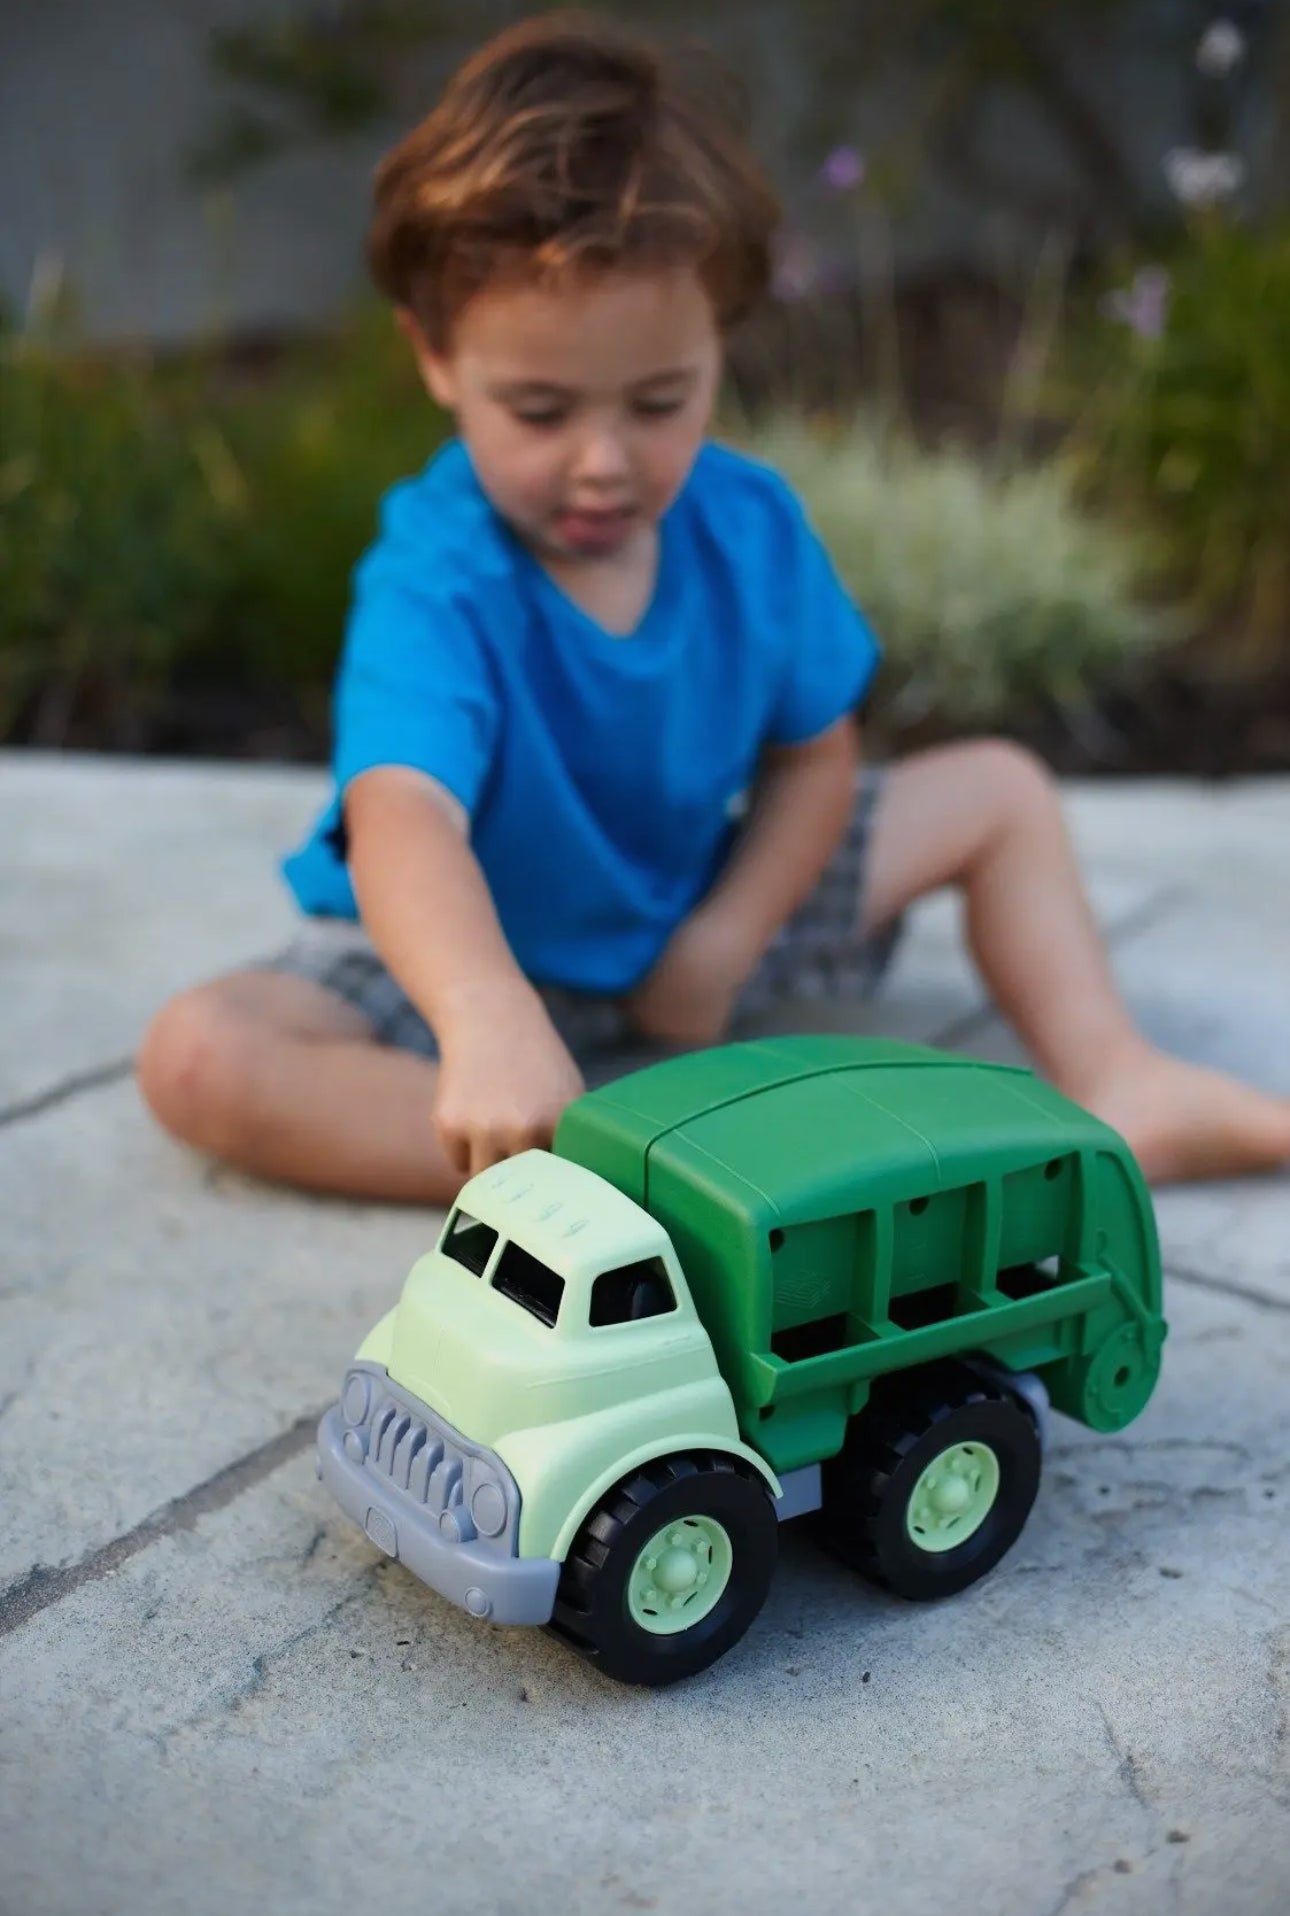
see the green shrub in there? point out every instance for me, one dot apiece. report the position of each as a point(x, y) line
point(111, 547)
point(1188, 429)
point(173, 524)
point(185, 530)
point(993, 595)
point(309, 457)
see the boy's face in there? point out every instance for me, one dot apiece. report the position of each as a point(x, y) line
point(583, 406)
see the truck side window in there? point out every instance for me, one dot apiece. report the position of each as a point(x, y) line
point(468, 1241)
point(631, 1292)
point(528, 1282)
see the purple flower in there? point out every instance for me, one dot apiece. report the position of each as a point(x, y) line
point(1144, 304)
point(844, 168)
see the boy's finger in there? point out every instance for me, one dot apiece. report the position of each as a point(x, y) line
point(455, 1146)
point(486, 1148)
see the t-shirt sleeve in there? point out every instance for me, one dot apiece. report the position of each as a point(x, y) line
point(414, 686)
point(832, 651)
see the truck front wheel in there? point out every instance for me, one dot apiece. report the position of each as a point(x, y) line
point(934, 1483)
point(669, 1569)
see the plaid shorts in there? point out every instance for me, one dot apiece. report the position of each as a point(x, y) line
point(817, 954)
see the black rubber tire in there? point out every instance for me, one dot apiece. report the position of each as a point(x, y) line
point(591, 1610)
point(867, 1487)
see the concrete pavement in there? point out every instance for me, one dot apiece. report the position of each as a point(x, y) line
point(215, 1695)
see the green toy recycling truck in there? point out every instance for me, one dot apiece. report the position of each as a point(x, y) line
point(829, 1275)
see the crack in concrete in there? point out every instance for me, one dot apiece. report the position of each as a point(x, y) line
point(1279, 1685)
point(227, 1700)
point(1122, 1446)
point(95, 1079)
point(11, 1397)
point(46, 1584)
point(1074, 1888)
point(1125, 1763)
point(67, 1088)
point(1224, 1287)
point(261, 1664)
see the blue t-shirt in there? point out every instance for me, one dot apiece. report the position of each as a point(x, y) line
point(602, 775)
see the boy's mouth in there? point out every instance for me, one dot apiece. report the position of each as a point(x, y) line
point(595, 530)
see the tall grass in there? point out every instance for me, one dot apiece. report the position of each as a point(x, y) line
point(1185, 425)
point(995, 596)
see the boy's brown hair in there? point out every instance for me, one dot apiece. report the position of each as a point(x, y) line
point(566, 146)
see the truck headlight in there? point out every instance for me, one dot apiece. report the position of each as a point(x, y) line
point(488, 1508)
point(356, 1397)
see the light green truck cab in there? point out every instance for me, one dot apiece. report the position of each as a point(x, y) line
point(567, 1404)
point(826, 1274)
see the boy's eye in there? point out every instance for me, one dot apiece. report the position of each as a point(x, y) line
point(549, 416)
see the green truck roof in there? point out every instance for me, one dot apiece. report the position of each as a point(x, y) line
point(790, 1118)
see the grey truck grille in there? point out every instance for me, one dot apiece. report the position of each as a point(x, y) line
point(417, 1452)
point(415, 1457)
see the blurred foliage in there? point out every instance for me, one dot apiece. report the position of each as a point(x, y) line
point(181, 524)
point(326, 70)
point(1184, 423)
point(188, 529)
point(329, 67)
point(184, 528)
point(113, 547)
point(995, 596)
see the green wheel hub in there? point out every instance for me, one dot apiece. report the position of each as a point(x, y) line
point(680, 1575)
point(953, 1497)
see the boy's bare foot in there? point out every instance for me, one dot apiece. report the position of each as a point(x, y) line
point(1184, 1121)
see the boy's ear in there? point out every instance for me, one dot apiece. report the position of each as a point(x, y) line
point(434, 368)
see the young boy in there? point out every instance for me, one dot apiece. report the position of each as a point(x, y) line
point(596, 764)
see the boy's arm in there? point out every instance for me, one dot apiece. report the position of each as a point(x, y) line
point(504, 1074)
point(801, 802)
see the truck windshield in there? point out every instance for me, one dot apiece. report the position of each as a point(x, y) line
point(468, 1241)
point(528, 1282)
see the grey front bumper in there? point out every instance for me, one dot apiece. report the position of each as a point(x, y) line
point(500, 1589)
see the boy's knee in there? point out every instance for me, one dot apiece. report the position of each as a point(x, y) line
point(193, 1067)
point(1018, 783)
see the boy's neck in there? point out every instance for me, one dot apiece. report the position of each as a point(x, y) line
point(614, 591)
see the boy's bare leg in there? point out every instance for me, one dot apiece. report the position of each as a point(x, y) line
point(986, 817)
point(282, 1078)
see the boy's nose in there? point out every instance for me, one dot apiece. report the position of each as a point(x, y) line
point(601, 460)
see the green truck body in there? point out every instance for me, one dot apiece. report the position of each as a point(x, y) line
point(798, 1269)
point(845, 1208)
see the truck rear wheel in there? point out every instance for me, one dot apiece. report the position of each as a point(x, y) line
point(934, 1483)
point(669, 1570)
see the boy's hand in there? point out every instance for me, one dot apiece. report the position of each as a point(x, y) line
point(504, 1078)
point(688, 997)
